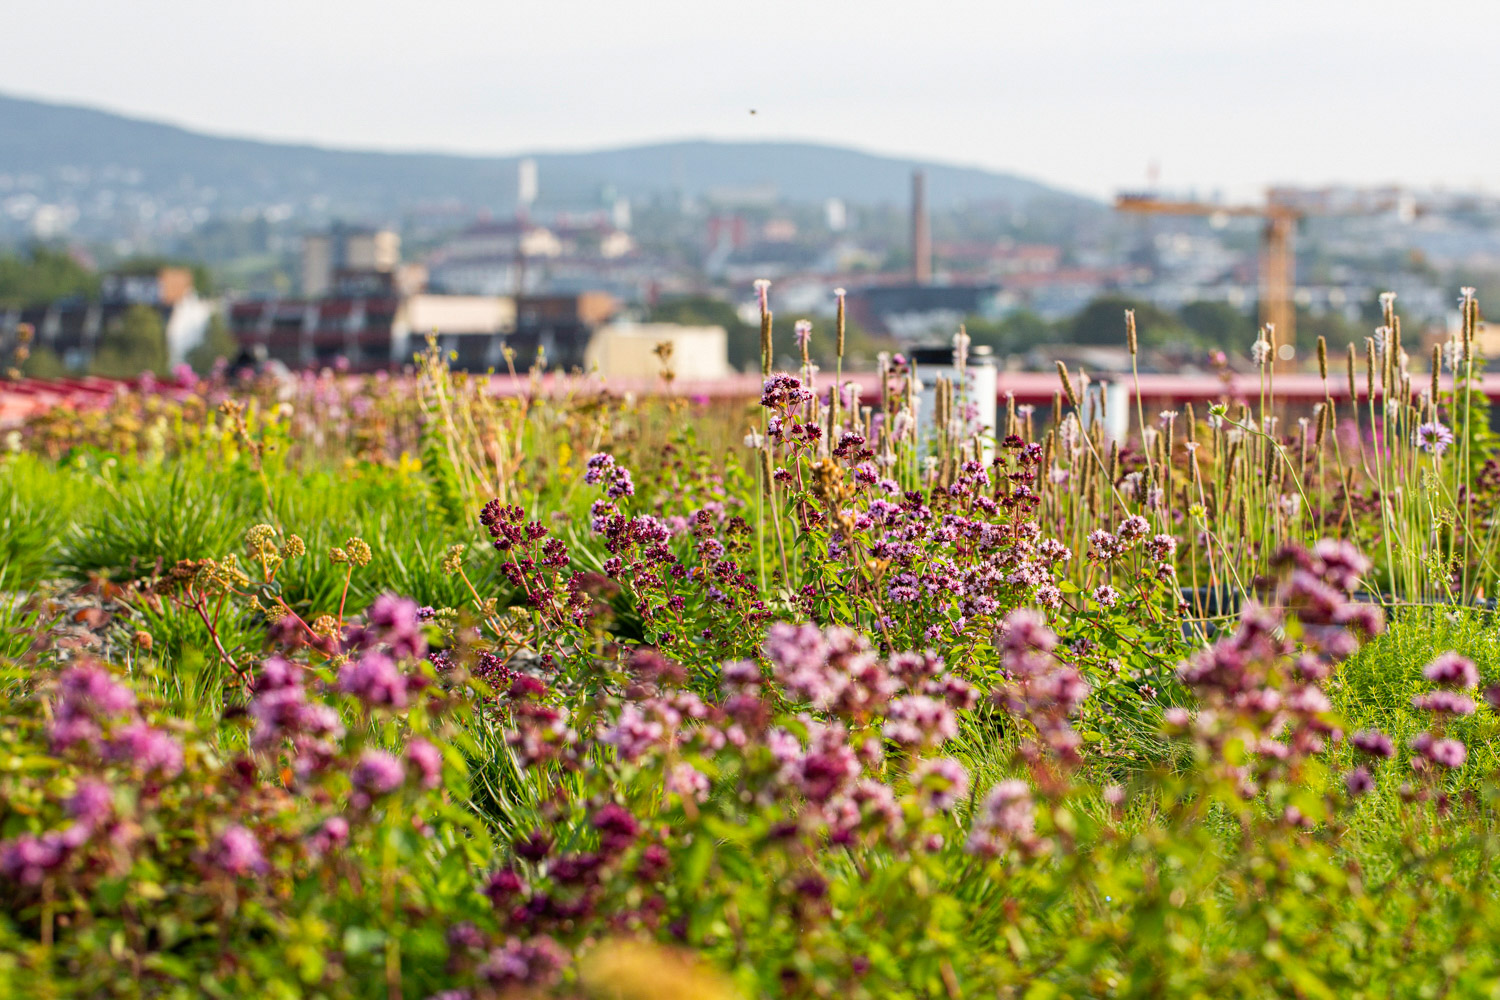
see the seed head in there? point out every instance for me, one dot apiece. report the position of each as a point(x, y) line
point(1068, 387)
point(358, 550)
point(454, 560)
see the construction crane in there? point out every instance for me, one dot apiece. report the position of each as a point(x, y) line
point(1277, 259)
point(1284, 207)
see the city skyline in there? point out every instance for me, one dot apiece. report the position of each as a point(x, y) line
point(1085, 96)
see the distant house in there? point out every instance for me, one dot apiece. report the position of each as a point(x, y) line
point(629, 350)
point(520, 256)
point(370, 323)
point(71, 328)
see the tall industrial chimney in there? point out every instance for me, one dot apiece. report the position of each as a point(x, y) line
point(921, 234)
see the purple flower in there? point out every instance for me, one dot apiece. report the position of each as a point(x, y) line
point(1006, 815)
point(1106, 595)
point(377, 773)
point(632, 734)
point(88, 695)
point(1026, 631)
point(1444, 702)
point(426, 761)
point(503, 886)
point(150, 750)
point(1433, 437)
point(396, 622)
point(784, 392)
point(1448, 753)
point(1358, 781)
point(374, 679)
point(92, 690)
point(942, 781)
point(91, 803)
point(687, 782)
point(331, 833)
point(617, 827)
point(27, 859)
point(237, 852)
point(532, 963)
point(920, 720)
point(1452, 670)
point(599, 466)
point(464, 935)
point(1373, 742)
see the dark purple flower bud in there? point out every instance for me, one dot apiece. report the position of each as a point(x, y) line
point(503, 886)
point(617, 827)
point(1359, 781)
point(575, 869)
point(535, 846)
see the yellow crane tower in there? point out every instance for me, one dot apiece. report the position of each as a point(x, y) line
point(1284, 207)
point(1277, 258)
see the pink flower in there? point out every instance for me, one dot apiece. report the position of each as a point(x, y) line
point(147, 749)
point(375, 680)
point(1373, 742)
point(1006, 815)
point(237, 852)
point(426, 762)
point(377, 773)
point(1444, 702)
point(942, 782)
point(1452, 670)
point(687, 782)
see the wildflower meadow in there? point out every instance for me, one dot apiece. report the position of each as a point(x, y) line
point(402, 686)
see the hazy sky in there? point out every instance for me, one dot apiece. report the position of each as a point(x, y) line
point(1223, 95)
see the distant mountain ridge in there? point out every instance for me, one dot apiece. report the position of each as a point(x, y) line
point(46, 140)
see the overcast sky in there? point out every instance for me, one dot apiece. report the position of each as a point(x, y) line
point(1080, 93)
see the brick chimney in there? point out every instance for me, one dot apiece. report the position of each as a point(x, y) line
point(921, 234)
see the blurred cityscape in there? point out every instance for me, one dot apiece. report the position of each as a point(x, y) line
point(114, 232)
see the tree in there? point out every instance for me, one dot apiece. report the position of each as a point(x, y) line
point(1018, 332)
point(134, 342)
point(217, 343)
point(1218, 323)
point(43, 362)
point(1103, 322)
point(43, 275)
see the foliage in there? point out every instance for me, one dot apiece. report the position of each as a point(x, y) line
point(43, 275)
point(802, 699)
point(1099, 323)
point(218, 345)
point(132, 343)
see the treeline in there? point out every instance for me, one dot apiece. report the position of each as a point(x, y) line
point(1194, 327)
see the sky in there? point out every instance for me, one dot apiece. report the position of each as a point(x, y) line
point(1223, 96)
